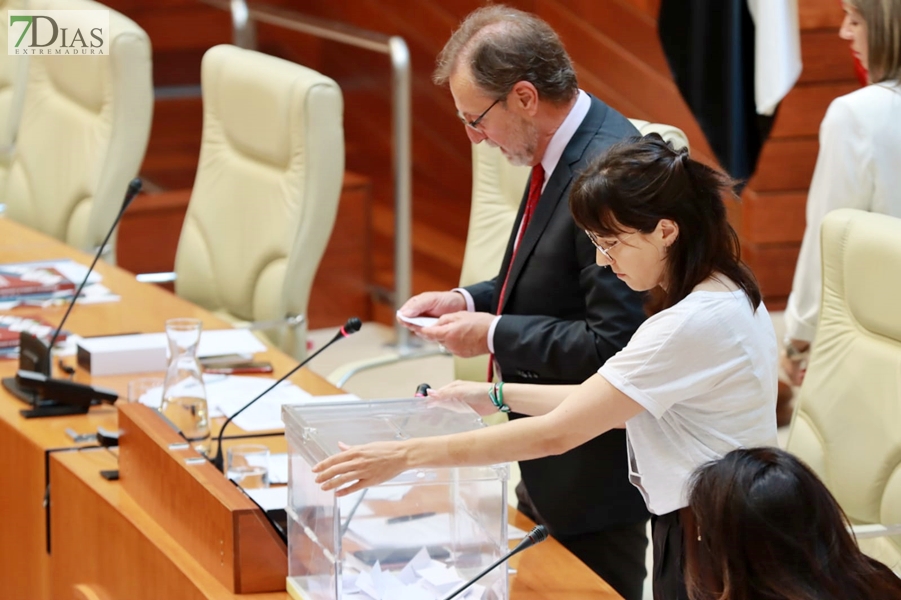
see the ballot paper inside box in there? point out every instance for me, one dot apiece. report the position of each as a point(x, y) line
point(420, 536)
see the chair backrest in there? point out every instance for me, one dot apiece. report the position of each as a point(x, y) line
point(497, 190)
point(267, 189)
point(83, 133)
point(12, 82)
point(847, 423)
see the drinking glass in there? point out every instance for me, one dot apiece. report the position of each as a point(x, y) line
point(248, 465)
point(147, 390)
point(184, 394)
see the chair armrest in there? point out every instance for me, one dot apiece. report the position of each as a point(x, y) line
point(107, 251)
point(156, 277)
point(863, 532)
point(289, 321)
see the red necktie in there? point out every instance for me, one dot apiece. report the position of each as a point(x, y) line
point(535, 184)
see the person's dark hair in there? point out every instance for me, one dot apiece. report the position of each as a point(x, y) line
point(638, 182)
point(883, 20)
point(769, 529)
point(502, 46)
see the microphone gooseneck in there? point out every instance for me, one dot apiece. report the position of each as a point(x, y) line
point(350, 327)
point(536, 536)
point(133, 188)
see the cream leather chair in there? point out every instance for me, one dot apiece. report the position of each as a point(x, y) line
point(84, 129)
point(13, 70)
point(266, 193)
point(847, 423)
point(497, 189)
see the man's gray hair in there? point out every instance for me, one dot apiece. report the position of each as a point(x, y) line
point(502, 46)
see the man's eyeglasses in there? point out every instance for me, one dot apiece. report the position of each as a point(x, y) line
point(474, 124)
point(605, 251)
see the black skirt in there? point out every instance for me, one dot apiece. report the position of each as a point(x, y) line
point(669, 533)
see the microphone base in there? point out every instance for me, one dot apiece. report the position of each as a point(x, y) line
point(40, 407)
point(52, 410)
point(26, 395)
point(55, 397)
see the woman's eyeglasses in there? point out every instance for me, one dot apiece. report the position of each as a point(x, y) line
point(605, 251)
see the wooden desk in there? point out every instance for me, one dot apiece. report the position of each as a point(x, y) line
point(104, 544)
point(104, 540)
point(24, 443)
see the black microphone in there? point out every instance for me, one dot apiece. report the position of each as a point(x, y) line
point(352, 326)
point(536, 536)
point(35, 356)
point(133, 188)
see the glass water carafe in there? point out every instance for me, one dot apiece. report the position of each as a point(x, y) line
point(184, 395)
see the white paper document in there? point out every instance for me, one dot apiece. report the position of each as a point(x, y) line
point(226, 394)
point(278, 469)
point(420, 579)
point(217, 342)
point(418, 321)
point(271, 498)
point(514, 533)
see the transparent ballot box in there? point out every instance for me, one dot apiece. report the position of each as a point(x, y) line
point(420, 536)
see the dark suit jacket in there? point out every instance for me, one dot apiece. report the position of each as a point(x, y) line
point(563, 317)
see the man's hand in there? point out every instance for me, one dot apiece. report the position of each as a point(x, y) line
point(431, 304)
point(463, 334)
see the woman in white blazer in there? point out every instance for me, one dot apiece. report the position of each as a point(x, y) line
point(859, 163)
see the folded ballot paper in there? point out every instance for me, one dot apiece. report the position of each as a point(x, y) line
point(418, 321)
point(421, 579)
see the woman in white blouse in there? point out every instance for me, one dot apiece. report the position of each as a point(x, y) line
point(859, 164)
point(697, 379)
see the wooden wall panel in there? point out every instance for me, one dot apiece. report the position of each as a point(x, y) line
point(160, 24)
point(803, 108)
point(774, 266)
point(785, 164)
point(180, 31)
point(824, 57)
point(819, 14)
point(773, 218)
point(653, 95)
point(624, 24)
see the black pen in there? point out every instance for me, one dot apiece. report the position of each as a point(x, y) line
point(406, 518)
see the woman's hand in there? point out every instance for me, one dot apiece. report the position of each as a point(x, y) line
point(472, 393)
point(367, 465)
point(794, 369)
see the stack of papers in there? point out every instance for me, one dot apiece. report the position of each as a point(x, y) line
point(421, 579)
point(52, 282)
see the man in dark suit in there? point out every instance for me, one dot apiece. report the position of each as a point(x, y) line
point(551, 316)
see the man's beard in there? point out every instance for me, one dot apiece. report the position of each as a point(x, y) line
point(525, 144)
